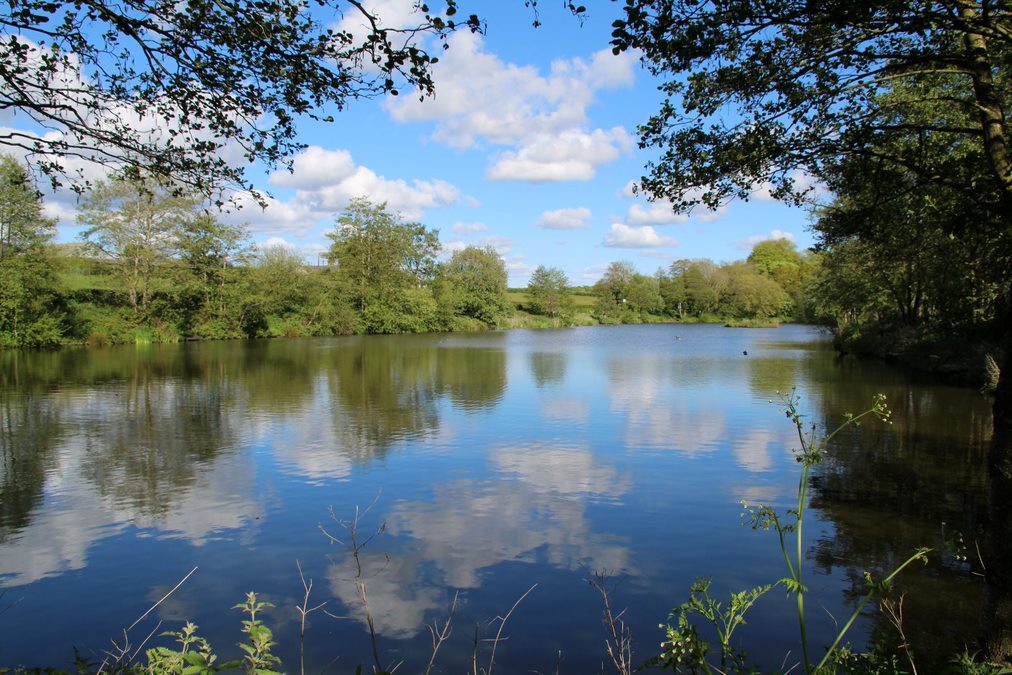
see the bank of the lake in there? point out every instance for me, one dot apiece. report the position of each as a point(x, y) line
point(496, 460)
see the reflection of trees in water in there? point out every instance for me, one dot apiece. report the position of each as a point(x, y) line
point(30, 427)
point(473, 378)
point(768, 375)
point(547, 367)
point(149, 452)
point(888, 489)
point(152, 438)
point(382, 391)
point(386, 389)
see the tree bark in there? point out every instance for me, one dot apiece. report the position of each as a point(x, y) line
point(997, 610)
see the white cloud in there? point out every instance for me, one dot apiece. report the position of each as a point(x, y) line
point(654, 213)
point(292, 217)
point(570, 155)
point(565, 219)
point(327, 180)
point(392, 14)
point(803, 182)
point(316, 167)
point(629, 190)
point(448, 248)
point(594, 272)
point(482, 99)
point(502, 245)
point(518, 269)
point(410, 200)
point(276, 242)
point(623, 236)
point(661, 211)
point(748, 242)
point(469, 228)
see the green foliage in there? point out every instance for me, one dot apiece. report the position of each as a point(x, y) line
point(221, 75)
point(23, 227)
point(257, 657)
point(626, 296)
point(684, 651)
point(195, 656)
point(136, 222)
point(32, 312)
point(682, 645)
point(749, 294)
point(379, 257)
point(548, 292)
point(473, 284)
point(755, 93)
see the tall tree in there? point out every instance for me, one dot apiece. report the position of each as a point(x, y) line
point(23, 227)
point(379, 258)
point(473, 284)
point(137, 224)
point(30, 311)
point(548, 292)
point(807, 84)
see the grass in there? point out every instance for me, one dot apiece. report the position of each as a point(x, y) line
point(581, 301)
point(752, 323)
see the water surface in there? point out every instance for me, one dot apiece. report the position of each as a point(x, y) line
point(493, 462)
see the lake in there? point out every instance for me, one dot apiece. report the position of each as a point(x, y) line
point(485, 464)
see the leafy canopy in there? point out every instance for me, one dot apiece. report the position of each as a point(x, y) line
point(196, 89)
point(766, 92)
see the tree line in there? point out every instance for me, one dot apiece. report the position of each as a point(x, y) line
point(153, 265)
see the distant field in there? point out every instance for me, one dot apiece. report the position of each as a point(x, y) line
point(81, 275)
point(582, 301)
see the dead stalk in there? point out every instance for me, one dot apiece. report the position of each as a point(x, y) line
point(502, 624)
point(119, 652)
point(894, 611)
point(618, 642)
point(355, 545)
point(304, 610)
point(440, 634)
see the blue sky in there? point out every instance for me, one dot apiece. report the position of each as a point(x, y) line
point(529, 146)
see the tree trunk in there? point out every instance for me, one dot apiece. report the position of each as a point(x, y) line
point(997, 611)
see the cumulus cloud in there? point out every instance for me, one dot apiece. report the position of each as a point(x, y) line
point(448, 248)
point(391, 14)
point(565, 219)
point(502, 245)
point(325, 181)
point(654, 213)
point(316, 168)
point(276, 242)
point(661, 211)
point(571, 155)
point(594, 272)
point(469, 228)
point(518, 269)
point(803, 182)
point(624, 236)
point(277, 217)
point(748, 242)
point(542, 117)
